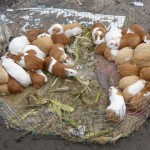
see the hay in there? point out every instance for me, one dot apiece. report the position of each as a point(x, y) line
point(70, 107)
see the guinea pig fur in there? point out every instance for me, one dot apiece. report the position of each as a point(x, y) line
point(4, 89)
point(71, 30)
point(61, 38)
point(98, 33)
point(17, 44)
point(140, 101)
point(38, 53)
point(10, 55)
point(100, 49)
point(58, 53)
point(16, 71)
point(29, 61)
point(58, 69)
point(129, 92)
point(131, 40)
point(56, 29)
point(14, 86)
point(128, 69)
point(110, 54)
point(38, 78)
point(44, 44)
point(135, 28)
point(117, 108)
point(3, 75)
point(33, 34)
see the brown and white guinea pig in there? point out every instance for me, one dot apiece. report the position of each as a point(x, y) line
point(98, 33)
point(124, 55)
point(58, 53)
point(115, 112)
point(129, 92)
point(3, 75)
point(110, 54)
point(61, 38)
point(17, 44)
point(29, 61)
point(100, 49)
point(140, 101)
point(128, 69)
point(127, 81)
point(58, 69)
point(33, 34)
point(73, 29)
point(4, 89)
point(145, 73)
point(14, 86)
point(131, 40)
point(44, 44)
point(38, 52)
point(56, 29)
point(135, 28)
point(38, 78)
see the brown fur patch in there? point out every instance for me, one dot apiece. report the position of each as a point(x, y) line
point(47, 62)
point(37, 79)
point(18, 57)
point(112, 117)
point(32, 52)
point(100, 25)
point(10, 55)
point(108, 55)
point(100, 49)
point(130, 40)
point(61, 38)
point(145, 73)
point(14, 86)
point(4, 89)
point(3, 75)
point(71, 26)
point(33, 33)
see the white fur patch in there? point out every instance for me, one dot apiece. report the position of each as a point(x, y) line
point(136, 87)
point(146, 94)
point(114, 52)
point(60, 48)
point(43, 35)
point(42, 74)
point(71, 72)
point(145, 40)
point(50, 30)
point(129, 31)
point(73, 32)
point(51, 65)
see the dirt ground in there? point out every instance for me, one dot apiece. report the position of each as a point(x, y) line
point(136, 141)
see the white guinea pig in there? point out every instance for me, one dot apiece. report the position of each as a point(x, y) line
point(117, 108)
point(16, 71)
point(56, 29)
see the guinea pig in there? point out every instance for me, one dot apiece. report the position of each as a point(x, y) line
point(38, 52)
point(16, 71)
point(100, 49)
point(61, 38)
point(110, 54)
point(140, 101)
point(115, 112)
point(71, 30)
point(44, 44)
point(128, 69)
point(14, 86)
point(131, 40)
point(127, 81)
point(135, 28)
point(98, 33)
point(3, 75)
point(58, 69)
point(38, 78)
point(29, 61)
point(56, 29)
point(33, 34)
point(58, 53)
point(129, 92)
point(17, 44)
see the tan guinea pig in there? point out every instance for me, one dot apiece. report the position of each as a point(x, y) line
point(110, 55)
point(33, 33)
point(4, 89)
point(145, 73)
point(14, 86)
point(129, 92)
point(127, 81)
point(128, 69)
point(44, 44)
point(141, 100)
point(61, 38)
point(3, 75)
point(100, 49)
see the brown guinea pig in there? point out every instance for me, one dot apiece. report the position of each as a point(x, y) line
point(100, 49)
